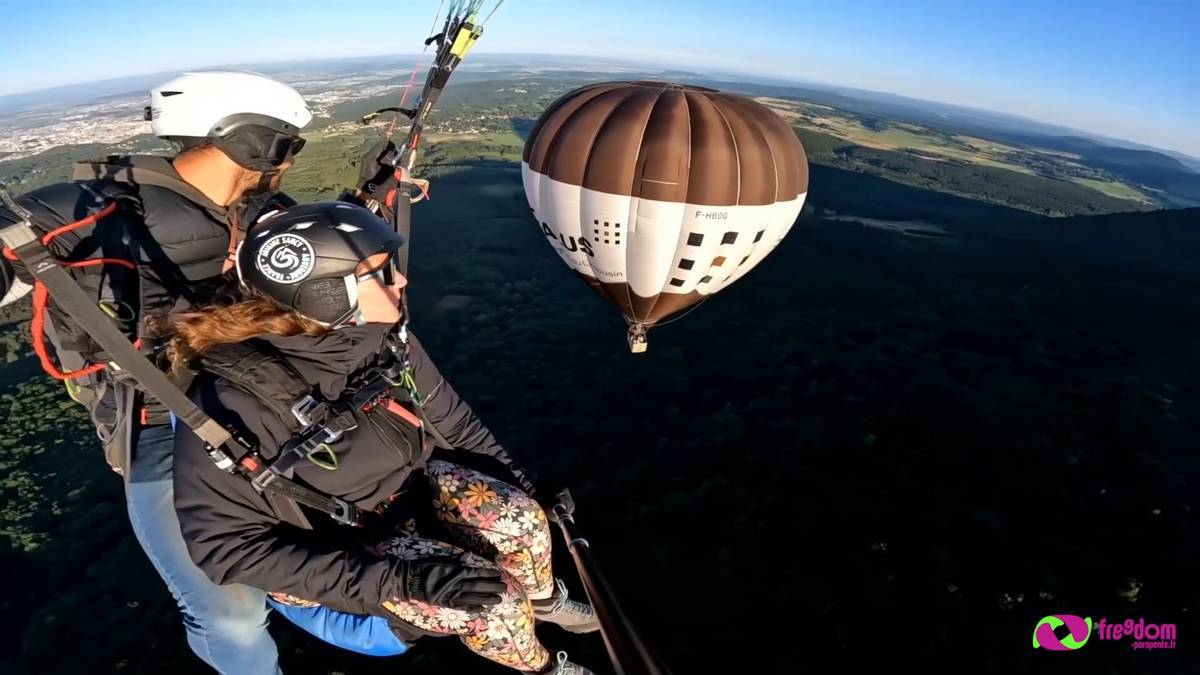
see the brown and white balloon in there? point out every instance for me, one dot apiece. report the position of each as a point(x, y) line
point(660, 195)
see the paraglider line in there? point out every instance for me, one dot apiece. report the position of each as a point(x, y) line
point(413, 75)
point(485, 19)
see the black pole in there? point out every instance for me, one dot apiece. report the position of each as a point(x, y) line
point(402, 210)
point(628, 654)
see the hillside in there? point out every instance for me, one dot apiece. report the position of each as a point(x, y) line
point(904, 389)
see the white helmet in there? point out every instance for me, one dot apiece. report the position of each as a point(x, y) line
point(256, 120)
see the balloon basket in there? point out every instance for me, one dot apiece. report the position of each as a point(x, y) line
point(636, 338)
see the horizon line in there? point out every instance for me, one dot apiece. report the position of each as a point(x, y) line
point(629, 61)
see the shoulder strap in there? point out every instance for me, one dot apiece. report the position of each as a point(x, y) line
point(145, 170)
point(228, 451)
point(257, 369)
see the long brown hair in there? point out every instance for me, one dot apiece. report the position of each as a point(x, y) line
point(198, 332)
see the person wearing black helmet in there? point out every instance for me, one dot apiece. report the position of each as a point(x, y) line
point(147, 235)
point(316, 368)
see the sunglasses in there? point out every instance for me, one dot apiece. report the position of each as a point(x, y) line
point(283, 147)
point(386, 273)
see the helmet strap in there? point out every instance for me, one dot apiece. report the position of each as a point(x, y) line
point(264, 183)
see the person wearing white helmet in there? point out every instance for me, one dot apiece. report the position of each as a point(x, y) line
point(223, 117)
point(173, 222)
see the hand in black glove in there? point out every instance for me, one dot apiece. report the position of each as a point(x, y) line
point(449, 582)
point(377, 174)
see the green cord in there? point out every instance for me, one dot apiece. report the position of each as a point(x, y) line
point(406, 378)
point(330, 464)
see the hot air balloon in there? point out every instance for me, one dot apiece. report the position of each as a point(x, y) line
point(660, 195)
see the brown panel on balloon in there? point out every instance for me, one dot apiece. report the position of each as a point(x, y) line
point(792, 164)
point(617, 295)
point(756, 165)
point(642, 309)
point(546, 134)
point(713, 174)
point(613, 159)
point(668, 142)
point(667, 304)
point(662, 172)
point(793, 169)
point(578, 133)
point(536, 130)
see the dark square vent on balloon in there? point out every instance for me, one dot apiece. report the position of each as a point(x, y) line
point(695, 239)
point(743, 261)
point(718, 261)
point(676, 282)
point(705, 279)
point(686, 264)
point(758, 236)
point(729, 238)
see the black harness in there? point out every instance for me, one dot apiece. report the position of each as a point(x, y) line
point(316, 424)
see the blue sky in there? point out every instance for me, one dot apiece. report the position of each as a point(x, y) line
point(1124, 69)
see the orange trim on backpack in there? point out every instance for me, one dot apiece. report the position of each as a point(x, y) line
point(58, 231)
point(403, 413)
point(37, 326)
point(41, 296)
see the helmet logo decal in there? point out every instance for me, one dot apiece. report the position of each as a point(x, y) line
point(285, 259)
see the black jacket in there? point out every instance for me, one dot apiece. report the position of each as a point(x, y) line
point(232, 532)
point(177, 236)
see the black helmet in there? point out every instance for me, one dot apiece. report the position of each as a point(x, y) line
point(304, 256)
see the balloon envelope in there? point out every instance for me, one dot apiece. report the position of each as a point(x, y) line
point(660, 195)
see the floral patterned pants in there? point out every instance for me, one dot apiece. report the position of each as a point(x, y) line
point(490, 524)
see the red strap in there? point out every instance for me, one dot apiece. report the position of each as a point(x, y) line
point(37, 333)
point(37, 326)
point(58, 231)
point(82, 222)
point(92, 262)
point(403, 413)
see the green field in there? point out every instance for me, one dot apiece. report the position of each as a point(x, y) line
point(934, 146)
point(1115, 189)
point(484, 121)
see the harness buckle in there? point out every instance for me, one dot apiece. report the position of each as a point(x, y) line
point(340, 425)
point(344, 513)
point(221, 458)
point(262, 480)
point(308, 410)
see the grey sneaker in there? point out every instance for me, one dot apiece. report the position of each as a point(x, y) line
point(564, 667)
point(576, 617)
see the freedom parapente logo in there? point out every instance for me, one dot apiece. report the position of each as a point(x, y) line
point(1143, 635)
point(1078, 632)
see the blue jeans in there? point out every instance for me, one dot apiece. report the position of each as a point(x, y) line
point(226, 625)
